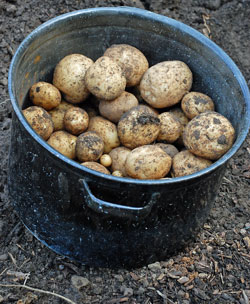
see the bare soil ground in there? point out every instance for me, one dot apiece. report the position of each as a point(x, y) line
point(213, 269)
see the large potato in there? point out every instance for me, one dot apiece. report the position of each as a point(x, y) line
point(106, 130)
point(105, 79)
point(69, 77)
point(209, 135)
point(185, 163)
point(89, 146)
point(165, 83)
point(76, 120)
point(195, 103)
point(45, 95)
point(114, 109)
point(57, 114)
point(132, 61)
point(148, 162)
point(137, 127)
point(63, 142)
point(170, 127)
point(96, 166)
point(119, 156)
point(40, 121)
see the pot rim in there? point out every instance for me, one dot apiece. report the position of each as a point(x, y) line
point(151, 17)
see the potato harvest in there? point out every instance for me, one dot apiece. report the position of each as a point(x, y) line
point(121, 116)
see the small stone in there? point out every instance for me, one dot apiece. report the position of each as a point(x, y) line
point(1, 299)
point(61, 267)
point(227, 297)
point(119, 277)
point(200, 294)
point(181, 293)
point(247, 242)
point(183, 280)
point(79, 282)
point(11, 9)
point(243, 231)
point(3, 257)
point(128, 292)
point(155, 266)
point(247, 225)
point(141, 290)
point(202, 275)
point(209, 248)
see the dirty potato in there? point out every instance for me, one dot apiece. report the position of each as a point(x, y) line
point(119, 156)
point(132, 61)
point(95, 166)
point(40, 121)
point(171, 150)
point(170, 127)
point(76, 120)
point(57, 114)
point(209, 135)
point(165, 83)
point(183, 120)
point(148, 162)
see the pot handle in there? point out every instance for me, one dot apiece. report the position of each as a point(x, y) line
point(100, 206)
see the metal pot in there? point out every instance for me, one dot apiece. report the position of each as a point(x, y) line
point(104, 220)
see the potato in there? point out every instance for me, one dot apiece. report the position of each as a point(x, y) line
point(40, 121)
point(105, 160)
point(132, 61)
point(137, 127)
point(171, 150)
point(170, 127)
point(89, 146)
point(76, 120)
point(209, 135)
point(148, 162)
point(105, 79)
point(195, 103)
point(45, 95)
point(114, 109)
point(63, 142)
point(183, 120)
point(165, 83)
point(106, 130)
point(117, 173)
point(69, 76)
point(119, 156)
point(57, 114)
point(96, 166)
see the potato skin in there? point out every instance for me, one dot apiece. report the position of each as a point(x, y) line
point(132, 61)
point(185, 163)
point(105, 79)
point(96, 166)
point(195, 103)
point(170, 127)
point(69, 76)
point(171, 150)
point(76, 120)
point(63, 142)
point(119, 156)
point(148, 162)
point(40, 121)
point(137, 127)
point(106, 130)
point(114, 109)
point(183, 120)
point(89, 146)
point(45, 95)
point(209, 135)
point(164, 84)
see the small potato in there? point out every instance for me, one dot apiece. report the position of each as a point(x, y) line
point(69, 77)
point(89, 146)
point(195, 103)
point(119, 156)
point(105, 79)
point(148, 162)
point(96, 166)
point(63, 142)
point(209, 135)
point(45, 95)
point(171, 150)
point(106, 130)
point(183, 120)
point(40, 121)
point(165, 83)
point(114, 109)
point(117, 173)
point(170, 127)
point(106, 160)
point(76, 120)
point(185, 163)
point(57, 115)
point(132, 61)
point(137, 127)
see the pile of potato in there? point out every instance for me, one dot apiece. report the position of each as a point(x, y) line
point(118, 115)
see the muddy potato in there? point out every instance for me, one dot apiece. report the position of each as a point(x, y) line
point(170, 127)
point(89, 146)
point(106, 130)
point(96, 166)
point(69, 76)
point(57, 114)
point(40, 121)
point(76, 120)
point(63, 142)
point(132, 61)
point(119, 156)
point(148, 162)
point(171, 150)
point(195, 103)
point(165, 83)
point(209, 135)
point(45, 95)
point(105, 79)
point(183, 120)
point(137, 127)
point(114, 109)
point(185, 163)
